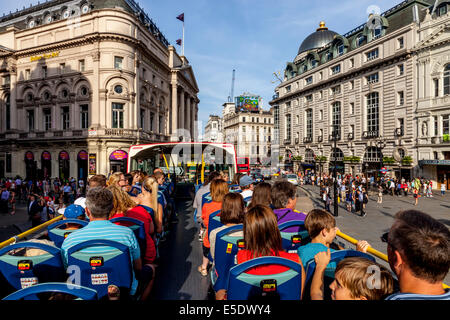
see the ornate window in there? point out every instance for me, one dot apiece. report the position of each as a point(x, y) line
point(373, 112)
point(117, 115)
point(447, 79)
point(336, 118)
point(309, 123)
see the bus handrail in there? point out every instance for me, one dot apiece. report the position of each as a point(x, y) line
point(371, 250)
point(14, 239)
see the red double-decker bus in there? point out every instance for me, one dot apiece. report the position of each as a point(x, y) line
point(243, 165)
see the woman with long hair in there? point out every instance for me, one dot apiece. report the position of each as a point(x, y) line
point(262, 238)
point(148, 199)
point(116, 179)
point(261, 195)
point(219, 188)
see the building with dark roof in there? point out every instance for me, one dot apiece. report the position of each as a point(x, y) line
point(355, 90)
point(82, 81)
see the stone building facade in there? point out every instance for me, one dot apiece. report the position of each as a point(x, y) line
point(432, 117)
point(351, 97)
point(84, 80)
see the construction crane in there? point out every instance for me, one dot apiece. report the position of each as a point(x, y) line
point(231, 96)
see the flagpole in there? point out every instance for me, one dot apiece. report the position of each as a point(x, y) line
point(182, 47)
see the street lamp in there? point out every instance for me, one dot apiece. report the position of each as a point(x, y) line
point(335, 135)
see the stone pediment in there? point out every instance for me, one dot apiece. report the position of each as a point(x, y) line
point(188, 74)
point(439, 36)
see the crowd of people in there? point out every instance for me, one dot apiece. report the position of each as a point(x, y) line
point(136, 195)
point(414, 236)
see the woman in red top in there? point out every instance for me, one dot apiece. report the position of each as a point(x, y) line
point(262, 238)
point(219, 188)
point(124, 206)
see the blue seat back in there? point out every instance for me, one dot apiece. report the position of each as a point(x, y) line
point(31, 293)
point(225, 251)
point(197, 186)
point(244, 286)
point(137, 226)
point(206, 198)
point(110, 264)
point(292, 240)
point(214, 221)
point(19, 272)
point(335, 258)
point(235, 188)
point(247, 200)
point(57, 235)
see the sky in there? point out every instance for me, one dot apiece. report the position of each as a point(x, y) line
point(254, 37)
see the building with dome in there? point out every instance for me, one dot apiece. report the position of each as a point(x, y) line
point(82, 80)
point(362, 83)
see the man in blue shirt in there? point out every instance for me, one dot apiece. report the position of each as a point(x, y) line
point(419, 254)
point(99, 203)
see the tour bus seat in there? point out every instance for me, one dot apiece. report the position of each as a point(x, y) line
point(247, 201)
point(214, 221)
point(284, 286)
point(335, 258)
point(18, 272)
point(39, 291)
point(197, 186)
point(57, 235)
point(225, 251)
point(292, 240)
point(234, 188)
point(111, 266)
point(206, 198)
point(137, 226)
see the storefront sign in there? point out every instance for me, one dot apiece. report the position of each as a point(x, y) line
point(64, 155)
point(118, 155)
point(434, 162)
point(29, 155)
point(83, 155)
point(45, 56)
point(46, 155)
point(92, 163)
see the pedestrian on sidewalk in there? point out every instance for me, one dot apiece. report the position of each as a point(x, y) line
point(380, 194)
point(416, 197)
point(442, 189)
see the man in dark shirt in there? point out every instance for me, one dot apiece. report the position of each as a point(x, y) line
point(35, 207)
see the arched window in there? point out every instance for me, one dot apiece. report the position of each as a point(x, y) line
point(447, 79)
point(309, 155)
point(340, 48)
point(360, 40)
point(336, 153)
point(373, 115)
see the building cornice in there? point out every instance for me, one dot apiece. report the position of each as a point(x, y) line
point(367, 67)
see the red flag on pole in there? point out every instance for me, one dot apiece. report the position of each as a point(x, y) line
point(181, 17)
point(179, 42)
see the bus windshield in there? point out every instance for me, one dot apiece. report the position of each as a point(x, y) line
point(189, 162)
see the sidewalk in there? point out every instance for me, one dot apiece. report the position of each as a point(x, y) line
point(380, 217)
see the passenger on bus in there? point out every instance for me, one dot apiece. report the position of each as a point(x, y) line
point(148, 199)
point(98, 180)
point(99, 204)
point(246, 184)
point(418, 252)
point(118, 179)
point(284, 200)
point(353, 279)
point(197, 204)
point(232, 213)
point(74, 211)
point(219, 188)
point(262, 238)
point(234, 187)
point(261, 195)
point(321, 227)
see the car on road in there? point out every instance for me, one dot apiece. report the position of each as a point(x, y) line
point(258, 178)
point(292, 178)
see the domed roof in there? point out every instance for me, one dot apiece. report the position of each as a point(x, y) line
point(318, 39)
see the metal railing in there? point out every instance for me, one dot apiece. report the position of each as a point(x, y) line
point(14, 239)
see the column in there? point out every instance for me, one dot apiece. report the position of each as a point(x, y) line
point(182, 110)
point(193, 119)
point(188, 116)
point(174, 116)
point(96, 104)
point(12, 101)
